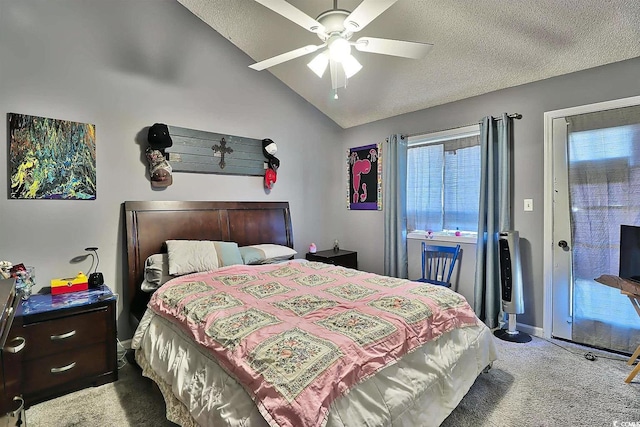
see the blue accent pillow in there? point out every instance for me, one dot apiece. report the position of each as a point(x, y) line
point(228, 253)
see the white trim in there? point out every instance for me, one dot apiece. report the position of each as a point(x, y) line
point(442, 238)
point(126, 344)
point(444, 135)
point(547, 256)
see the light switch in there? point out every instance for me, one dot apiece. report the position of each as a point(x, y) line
point(528, 205)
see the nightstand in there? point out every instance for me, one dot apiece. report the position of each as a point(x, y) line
point(343, 258)
point(69, 342)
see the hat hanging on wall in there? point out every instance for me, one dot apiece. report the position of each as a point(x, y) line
point(159, 137)
point(160, 171)
point(269, 148)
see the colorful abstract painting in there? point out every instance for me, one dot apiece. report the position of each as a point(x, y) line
point(364, 178)
point(51, 159)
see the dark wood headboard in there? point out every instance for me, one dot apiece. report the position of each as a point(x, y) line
point(149, 224)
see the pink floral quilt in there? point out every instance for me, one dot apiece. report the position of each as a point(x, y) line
point(297, 335)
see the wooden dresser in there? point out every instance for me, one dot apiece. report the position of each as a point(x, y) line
point(69, 343)
point(11, 401)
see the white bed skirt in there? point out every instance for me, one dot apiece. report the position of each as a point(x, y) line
point(421, 389)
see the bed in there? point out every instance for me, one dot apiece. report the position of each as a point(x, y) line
point(209, 380)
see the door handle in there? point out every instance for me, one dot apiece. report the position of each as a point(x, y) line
point(563, 244)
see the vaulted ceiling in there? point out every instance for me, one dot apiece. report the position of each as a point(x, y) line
point(479, 47)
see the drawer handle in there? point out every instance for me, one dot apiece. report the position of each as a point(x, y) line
point(14, 414)
point(17, 348)
point(63, 336)
point(64, 368)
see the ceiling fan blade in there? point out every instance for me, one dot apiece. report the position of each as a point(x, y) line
point(338, 78)
point(366, 12)
point(400, 48)
point(287, 56)
point(293, 14)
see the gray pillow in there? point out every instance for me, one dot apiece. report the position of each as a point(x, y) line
point(156, 272)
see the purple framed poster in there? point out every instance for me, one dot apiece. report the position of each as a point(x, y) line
point(364, 177)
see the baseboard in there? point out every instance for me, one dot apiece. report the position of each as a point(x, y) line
point(531, 330)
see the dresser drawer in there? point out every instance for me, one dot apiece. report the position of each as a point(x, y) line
point(65, 333)
point(61, 368)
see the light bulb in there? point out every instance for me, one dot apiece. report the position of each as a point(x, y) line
point(319, 64)
point(339, 49)
point(351, 66)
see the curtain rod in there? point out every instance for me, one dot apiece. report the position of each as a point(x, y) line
point(516, 116)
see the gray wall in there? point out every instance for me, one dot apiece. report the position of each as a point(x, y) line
point(124, 65)
point(614, 81)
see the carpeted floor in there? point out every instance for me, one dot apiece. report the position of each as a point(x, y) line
point(533, 384)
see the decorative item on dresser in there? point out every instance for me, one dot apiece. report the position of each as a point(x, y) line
point(68, 343)
point(340, 257)
point(96, 279)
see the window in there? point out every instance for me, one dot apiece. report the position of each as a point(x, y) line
point(443, 181)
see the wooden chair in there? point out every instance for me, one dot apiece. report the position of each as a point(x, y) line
point(438, 263)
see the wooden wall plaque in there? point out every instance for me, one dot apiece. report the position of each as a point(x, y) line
point(207, 152)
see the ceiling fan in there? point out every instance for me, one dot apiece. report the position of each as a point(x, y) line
point(335, 28)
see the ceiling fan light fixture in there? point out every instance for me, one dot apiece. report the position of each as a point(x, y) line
point(351, 26)
point(351, 66)
point(336, 27)
point(319, 64)
point(339, 49)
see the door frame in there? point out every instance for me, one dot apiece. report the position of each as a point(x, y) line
point(548, 244)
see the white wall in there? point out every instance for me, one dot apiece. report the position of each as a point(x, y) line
point(363, 229)
point(124, 65)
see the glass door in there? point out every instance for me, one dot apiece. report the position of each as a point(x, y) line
point(597, 189)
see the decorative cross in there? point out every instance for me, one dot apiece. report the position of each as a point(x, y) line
point(222, 149)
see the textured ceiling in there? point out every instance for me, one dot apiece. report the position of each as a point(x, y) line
point(479, 47)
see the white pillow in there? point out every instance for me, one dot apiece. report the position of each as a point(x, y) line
point(265, 253)
point(191, 256)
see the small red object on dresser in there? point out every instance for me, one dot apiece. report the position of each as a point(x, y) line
point(69, 284)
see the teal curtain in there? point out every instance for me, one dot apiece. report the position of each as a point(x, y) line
point(394, 193)
point(494, 214)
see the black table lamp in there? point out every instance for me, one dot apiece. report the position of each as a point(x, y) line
point(96, 279)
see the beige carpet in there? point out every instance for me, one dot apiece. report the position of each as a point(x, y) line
point(533, 384)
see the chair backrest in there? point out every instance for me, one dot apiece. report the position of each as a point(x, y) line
point(438, 263)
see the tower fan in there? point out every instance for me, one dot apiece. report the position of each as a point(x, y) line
point(511, 285)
